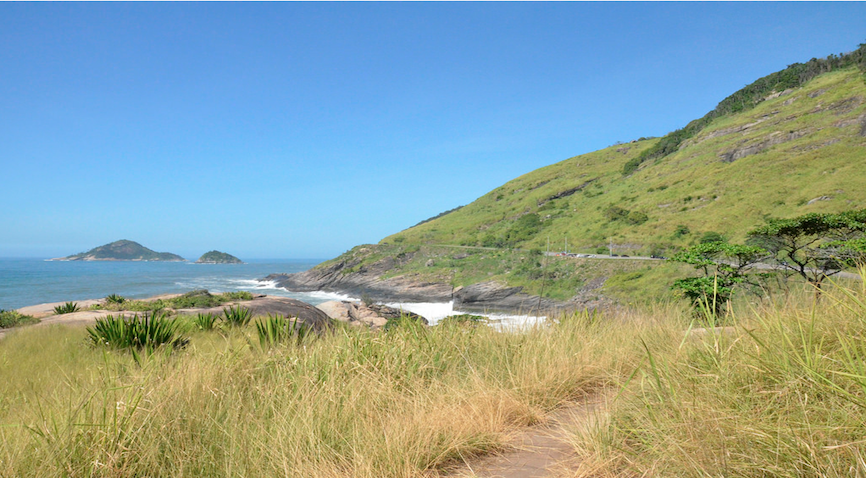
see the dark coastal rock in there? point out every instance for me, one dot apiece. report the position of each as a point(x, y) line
point(494, 296)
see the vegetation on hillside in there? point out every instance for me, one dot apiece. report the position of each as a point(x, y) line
point(762, 155)
point(794, 76)
point(784, 155)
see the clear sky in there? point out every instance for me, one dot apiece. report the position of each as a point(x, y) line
point(298, 130)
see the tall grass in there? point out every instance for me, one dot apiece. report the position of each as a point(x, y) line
point(783, 393)
point(353, 403)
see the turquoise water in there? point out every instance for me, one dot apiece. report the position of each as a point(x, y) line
point(26, 282)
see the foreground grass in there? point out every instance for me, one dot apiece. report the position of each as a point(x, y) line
point(353, 403)
point(782, 393)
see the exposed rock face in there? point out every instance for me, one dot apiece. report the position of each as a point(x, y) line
point(366, 280)
point(747, 150)
point(498, 297)
point(373, 316)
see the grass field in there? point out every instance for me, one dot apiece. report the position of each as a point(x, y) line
point(779, 394)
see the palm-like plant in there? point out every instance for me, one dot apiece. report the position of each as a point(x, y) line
point(66, 308)
point(277, 329)
point(138, 333)
point(237, 316)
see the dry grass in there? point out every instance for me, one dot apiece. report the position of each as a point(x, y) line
point(354, 403)
point(781, 394)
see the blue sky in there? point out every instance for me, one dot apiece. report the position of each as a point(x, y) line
point(298, 130)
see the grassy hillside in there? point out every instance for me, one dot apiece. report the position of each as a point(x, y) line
point(802, 151)
point(790, 143)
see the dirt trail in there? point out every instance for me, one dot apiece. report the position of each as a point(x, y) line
point(536, 451)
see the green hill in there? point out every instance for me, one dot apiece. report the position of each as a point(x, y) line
point(123, 250)
point(217, 257)
point(791, 143)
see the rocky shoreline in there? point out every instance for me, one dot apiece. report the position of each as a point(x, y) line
point(369, 281)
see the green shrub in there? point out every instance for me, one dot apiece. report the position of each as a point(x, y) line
point(711, 236)
point(636, 218)
point(66, 308)
point(239, 295)
point(138, 333)
point(276, 329)
point(115, 299)
point(13, 318)
point(237, 316)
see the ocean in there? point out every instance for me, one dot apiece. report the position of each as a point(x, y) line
point(31, 281)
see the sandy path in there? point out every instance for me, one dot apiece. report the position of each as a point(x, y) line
point(535, 452)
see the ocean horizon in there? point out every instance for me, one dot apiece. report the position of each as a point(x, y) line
point(38, 280)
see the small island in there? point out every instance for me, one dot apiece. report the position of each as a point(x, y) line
point(122, 250)
point(217, 257)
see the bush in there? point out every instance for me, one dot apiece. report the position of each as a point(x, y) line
point(66, 308)
point(13, 318)
point(138, 333)
point(636, 218)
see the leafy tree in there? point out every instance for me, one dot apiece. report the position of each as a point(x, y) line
point(724, 266)
point(815, 245)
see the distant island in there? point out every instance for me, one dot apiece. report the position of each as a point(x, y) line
point(217, 257)
point(122, 250)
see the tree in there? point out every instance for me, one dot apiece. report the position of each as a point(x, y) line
point(724, 266)
point(811, 245)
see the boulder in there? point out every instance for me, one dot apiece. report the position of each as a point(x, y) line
point(264, 305)
point(374, 316)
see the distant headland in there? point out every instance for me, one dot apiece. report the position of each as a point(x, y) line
point(122, 250)
point(217, 257)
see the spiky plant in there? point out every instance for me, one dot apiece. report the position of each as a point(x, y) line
point(115, 299)
point(237, 316)
point(138, 333)
point(66, 308)
point(205, 321)
point(278, 329)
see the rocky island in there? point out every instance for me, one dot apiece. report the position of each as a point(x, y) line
point(122, 250)
point(217, 257)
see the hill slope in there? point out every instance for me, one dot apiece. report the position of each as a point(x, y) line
point(123, 250)
point(789, 152)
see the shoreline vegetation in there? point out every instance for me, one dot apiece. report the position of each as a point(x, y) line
point(776, 391)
